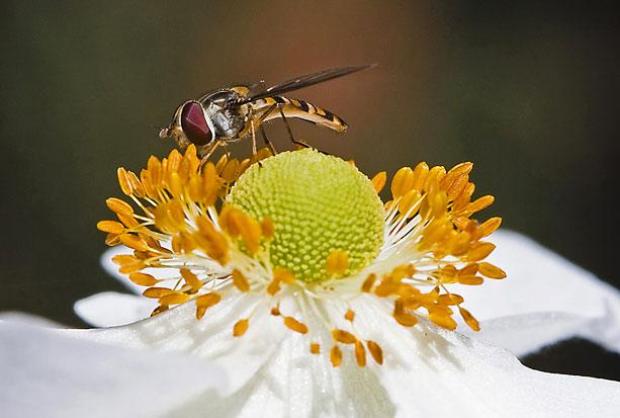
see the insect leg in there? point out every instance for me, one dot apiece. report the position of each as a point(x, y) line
point(254, 151)
point(267, 141)
point(262, 129)
point(209, 152)
point(290, 132)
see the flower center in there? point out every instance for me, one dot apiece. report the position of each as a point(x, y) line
point(320, 205)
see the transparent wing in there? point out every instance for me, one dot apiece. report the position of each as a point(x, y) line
point(308, 80)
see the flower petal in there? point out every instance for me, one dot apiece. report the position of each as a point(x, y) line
point(292, 383)
point(112, 269)
point(431, 372)
point(209, 338)
point(542, 282)
point(527, 333)
point(45, 372)
point(110, 309)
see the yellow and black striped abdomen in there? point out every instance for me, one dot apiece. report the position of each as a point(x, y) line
point(293, 108)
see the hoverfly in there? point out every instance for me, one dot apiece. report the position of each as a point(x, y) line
point(230, 114)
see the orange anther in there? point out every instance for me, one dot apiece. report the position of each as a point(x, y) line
point(123, 181)
point(267, 228)
point(283, 275)
point(469, 319)
point(119, 206)
point(156, 292)
point(369, 282)
point(112, 227)
point(208, 300)
point(295, 325)
point(349, 315)
point(442, 319)
point(240, 281)
point(378, 181)
point(480, 203)
point(315, 348)
point(360, 354)
point(489, 226)
point(191, 279)
point(405, 319)
point(450, 299)
point(419, 176)
point(337, 263)
point(335, 356)
point(240, 327)
point(375, 351)
point(402, 182)
point(174, 298)
point(342, 336)
point(491, 271)
point(479, 251)
point(133, 241)
point(143, 279)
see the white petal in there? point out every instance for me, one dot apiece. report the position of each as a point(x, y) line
point(430, 372)
point(209, 338)
point(294, 383)
point(542, 282)
point(110, 309)
point(47, 373)
point(527, 333)
point(28, 319)
point(112, 269)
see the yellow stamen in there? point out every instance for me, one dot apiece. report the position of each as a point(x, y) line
point(335, 356)
point(295, 325)
point(343, 336)
point(360, 354)
point(369, 282)
point(375, 351)
point(134, 241)
point(239, 281)
point(206, 301)
point(191, 279)
point(378, 181)
point(143, 279)
point(156, 292)
point(123, 181)
point(491, 271)
point(469, 319)
point(337, 263)
point(119, 206)
point(112, 227)
point(442, 319)
point(349, 315)
point(174, 298)
point(267, 228)
point(402, 182)
point(240, 327)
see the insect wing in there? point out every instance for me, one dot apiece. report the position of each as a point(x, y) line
point(308, 80)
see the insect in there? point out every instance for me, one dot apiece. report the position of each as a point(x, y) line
point(230, 114)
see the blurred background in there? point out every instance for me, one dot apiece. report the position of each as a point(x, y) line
point(527, 91)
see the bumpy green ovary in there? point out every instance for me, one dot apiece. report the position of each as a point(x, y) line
point(318, 204)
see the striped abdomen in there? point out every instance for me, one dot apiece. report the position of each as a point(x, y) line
point(300, 109)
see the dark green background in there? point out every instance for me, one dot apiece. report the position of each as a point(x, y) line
point(527, 91)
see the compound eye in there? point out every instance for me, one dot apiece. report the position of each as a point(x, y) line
point(194, 124)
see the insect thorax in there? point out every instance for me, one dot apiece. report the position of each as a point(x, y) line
point(229, 119)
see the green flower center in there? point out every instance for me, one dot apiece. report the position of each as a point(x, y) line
point(318, 204)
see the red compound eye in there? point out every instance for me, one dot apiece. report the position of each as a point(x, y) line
point(194, 124)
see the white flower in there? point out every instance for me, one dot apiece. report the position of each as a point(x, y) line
point(328, 316)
